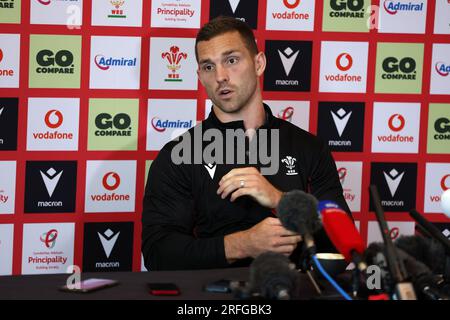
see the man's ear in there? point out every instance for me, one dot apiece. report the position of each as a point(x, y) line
point(199, 77)
point(260, 63)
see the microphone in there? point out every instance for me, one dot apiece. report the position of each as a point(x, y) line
point(403, 288)
point(297, 212)
point(431, 229)
point(272, 276)
point(342, 232)
point(428, 251)
point(424, 281)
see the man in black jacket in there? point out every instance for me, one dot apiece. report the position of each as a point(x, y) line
point(200, 215)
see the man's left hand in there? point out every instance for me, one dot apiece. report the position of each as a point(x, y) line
point(250, 182)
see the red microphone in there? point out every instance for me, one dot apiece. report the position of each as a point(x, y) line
point(343, 234)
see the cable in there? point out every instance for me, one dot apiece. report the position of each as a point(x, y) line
point(330, 279)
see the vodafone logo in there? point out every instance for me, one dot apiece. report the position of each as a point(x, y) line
point(1, 55)
point(396, 122)
point(291, 4)
point(441, 69)
point(44, 2)
point(286, 114)
point(53, 119)
point(344, 61)
point(97, 60)
point(111, 181)
point(49, 238)
point(445, 182)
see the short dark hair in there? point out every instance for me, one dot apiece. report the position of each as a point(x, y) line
point(224, 24)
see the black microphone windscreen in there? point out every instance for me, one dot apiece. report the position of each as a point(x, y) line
point(428, 251)
point(297, 212)
point(272, 276)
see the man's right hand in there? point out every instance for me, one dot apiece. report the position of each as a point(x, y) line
point(268, 235)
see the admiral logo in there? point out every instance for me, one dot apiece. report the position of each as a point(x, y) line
point(392, 7)
point(161, 125)
point(58, 186)
point(104, 63)
point(396, 123)
point(4, 72)
point(110, 181)
point(4, 4)
point(53, 120)
point(442, 69)
point(44, 2)
point(174, 57)
point(107, 125)
point(442, 127)
point(117, 12)
point(347, 8)
point(404, 69)
point(59, 62)
point(290, 15)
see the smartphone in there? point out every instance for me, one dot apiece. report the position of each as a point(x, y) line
point(90, 285)
point(220, 286)
point(163, 289)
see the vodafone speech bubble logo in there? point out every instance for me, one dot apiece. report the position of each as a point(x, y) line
point(53, 119)
point(45, 2)
point(343, 65)
point(49, 238)
point(445, 185)
point(108, 184)
point(289, 5)
point(396, 122)
point(1, 55)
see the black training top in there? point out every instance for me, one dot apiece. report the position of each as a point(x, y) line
point(184, 220)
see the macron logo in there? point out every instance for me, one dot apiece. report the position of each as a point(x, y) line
point(340, 119)
point(234, 4)
point(108, 240)
point(1, 111)
point(288, 58)
point(211, 168)
point(393, 179)
point(51, 179)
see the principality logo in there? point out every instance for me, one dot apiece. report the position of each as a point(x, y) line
point(286, 114)
point(174, 57)
point(49, 238)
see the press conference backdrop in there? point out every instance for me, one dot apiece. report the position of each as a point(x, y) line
point(91, 90)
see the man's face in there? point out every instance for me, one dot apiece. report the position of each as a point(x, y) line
point(228, 71)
